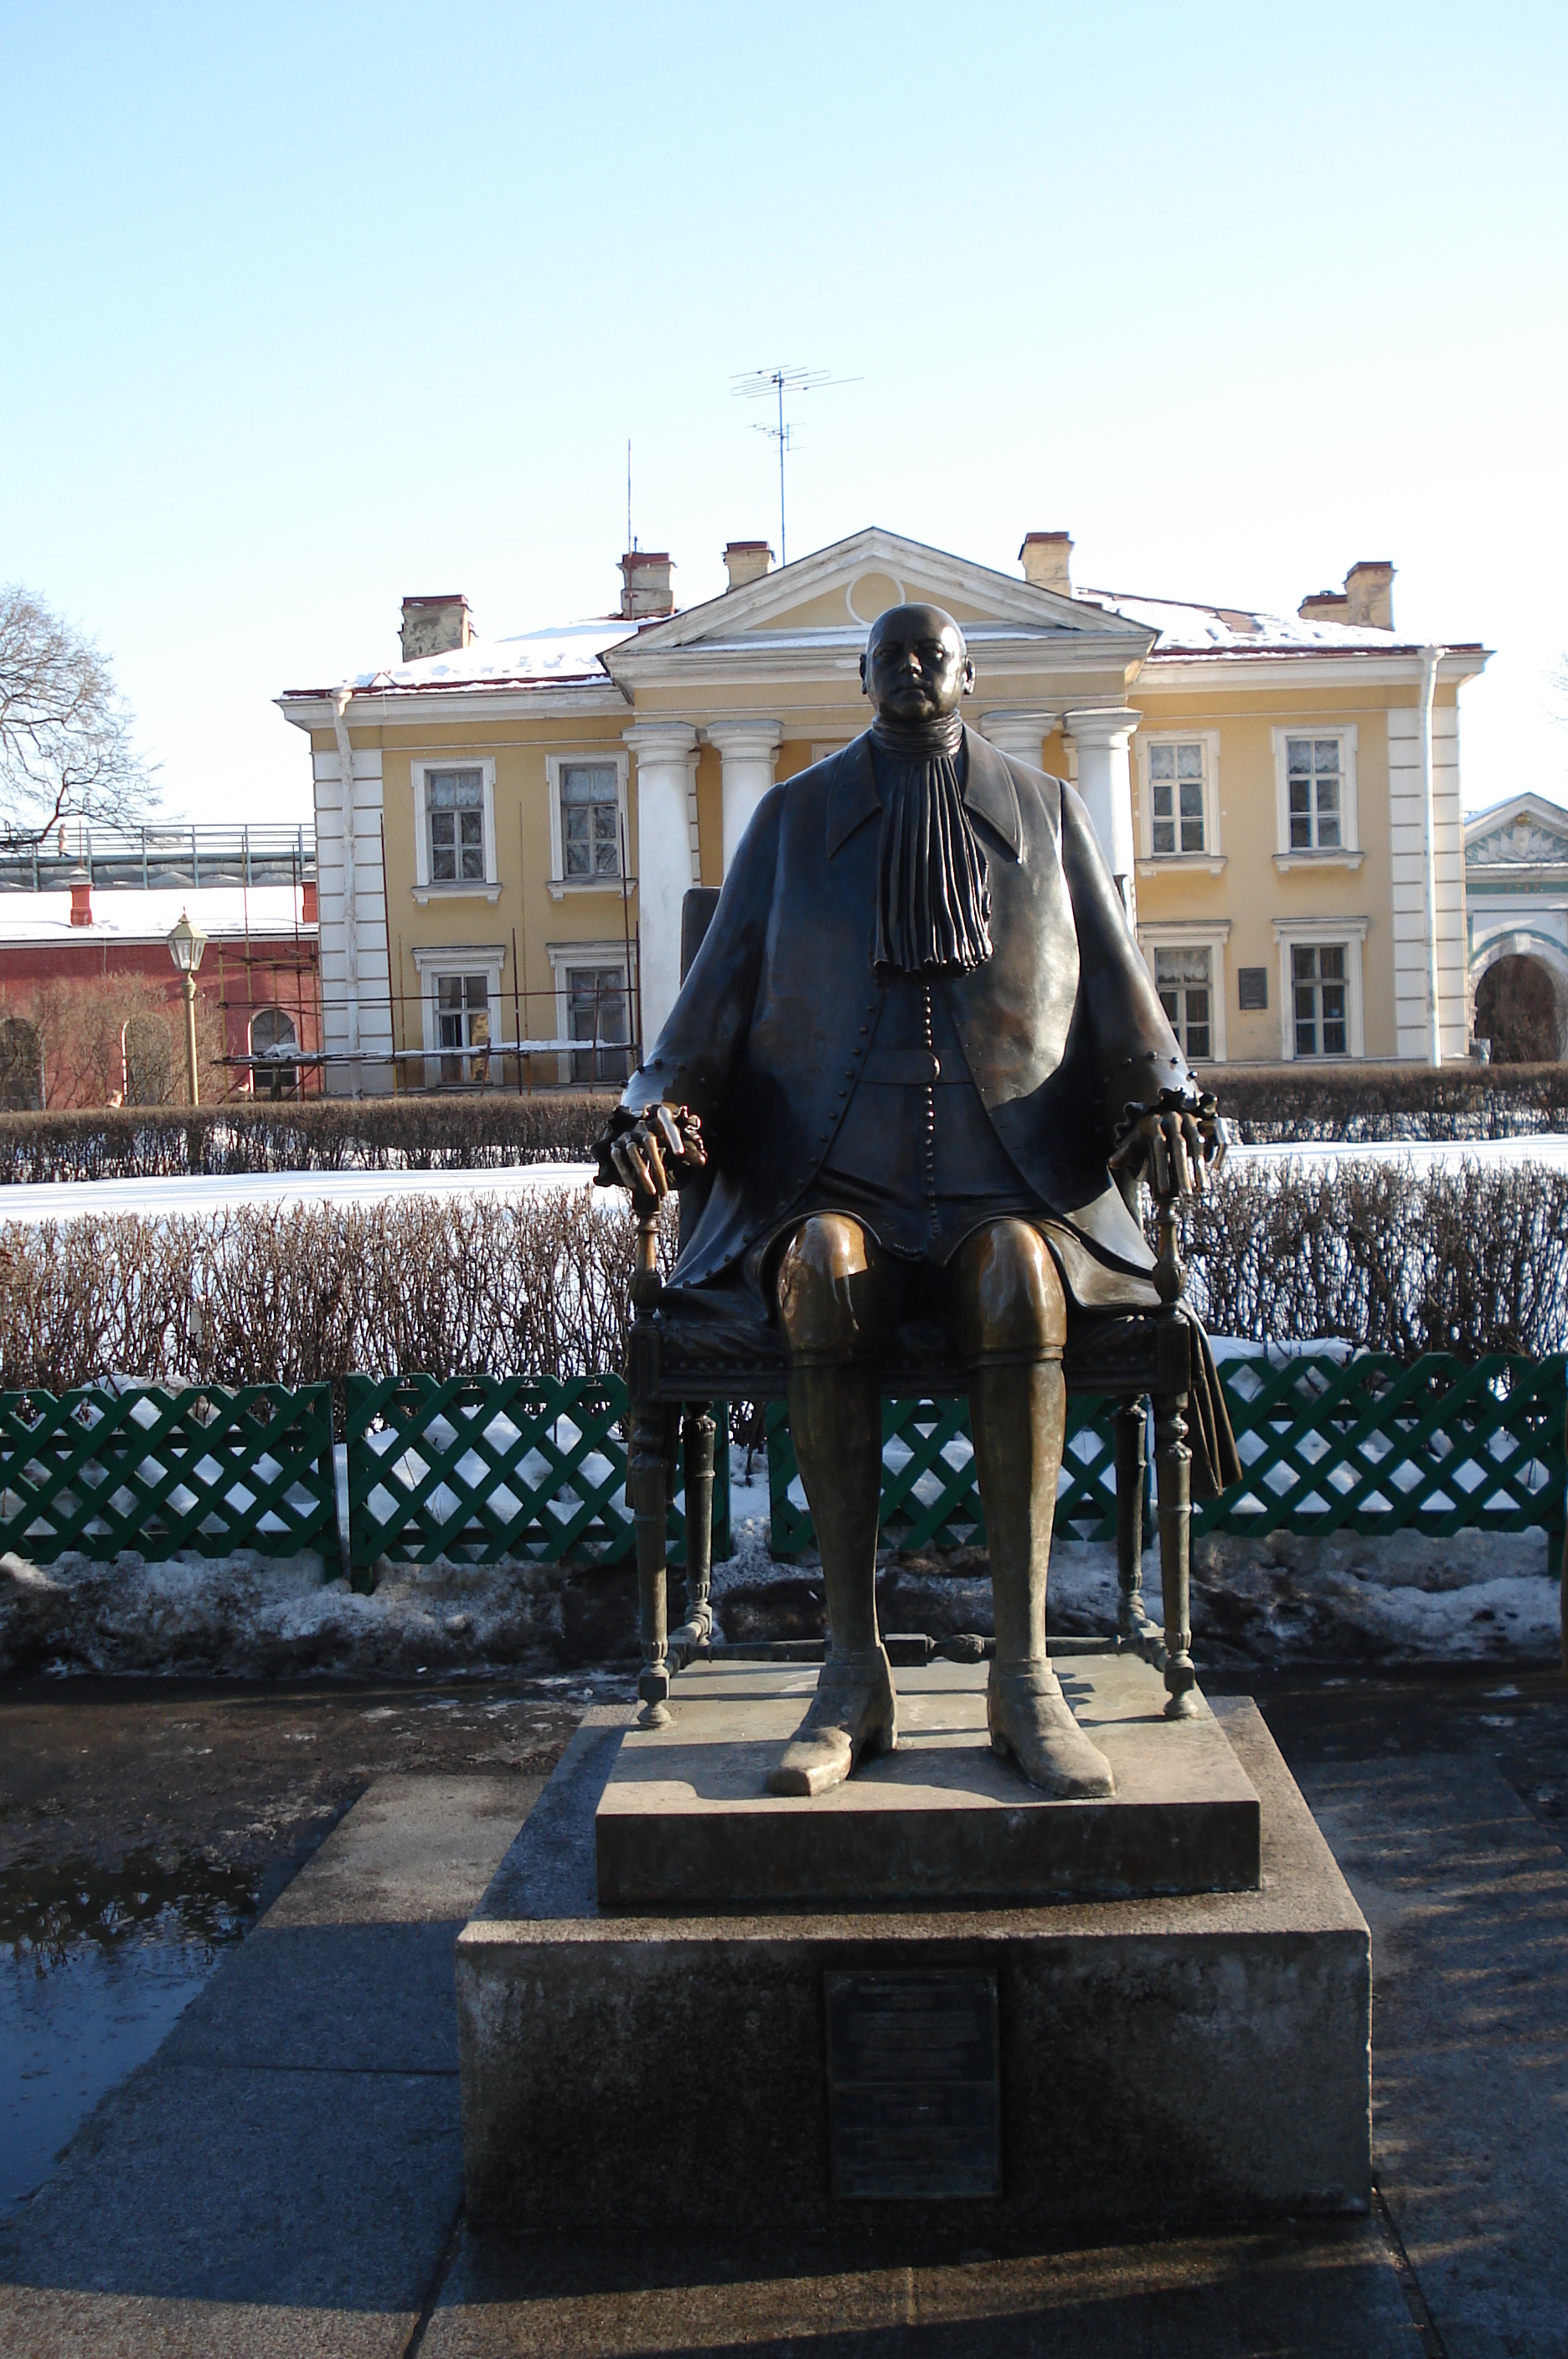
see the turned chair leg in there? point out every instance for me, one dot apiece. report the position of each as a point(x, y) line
point(647, 1481)
point(697, 1432)
point(1173, 1461)
point(1128, 1425)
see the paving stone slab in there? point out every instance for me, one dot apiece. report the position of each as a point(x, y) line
point(1467, 1896)
point(1320, 2293)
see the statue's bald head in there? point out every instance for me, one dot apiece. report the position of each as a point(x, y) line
point(915, 666)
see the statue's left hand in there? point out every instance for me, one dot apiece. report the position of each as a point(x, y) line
point(1173, 1144)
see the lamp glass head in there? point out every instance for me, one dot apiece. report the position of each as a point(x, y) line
point(186, 944)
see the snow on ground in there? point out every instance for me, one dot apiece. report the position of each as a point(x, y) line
point(65, 1200)
point(1547, 1147)
point(74, 1199)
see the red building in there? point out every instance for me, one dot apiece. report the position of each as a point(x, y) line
point(84, 962)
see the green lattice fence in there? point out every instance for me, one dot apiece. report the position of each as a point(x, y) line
point(1368, 1445)
point(930, 1497)
point(481, 1469)
point(161, 1471)
point(1363, 1445)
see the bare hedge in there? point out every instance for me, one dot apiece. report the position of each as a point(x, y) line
point(397, 1134)
point(1379, 1104)
point(1469, 1261)
point(303, 1294)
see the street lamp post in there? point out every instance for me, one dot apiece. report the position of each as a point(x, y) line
point(186, 944)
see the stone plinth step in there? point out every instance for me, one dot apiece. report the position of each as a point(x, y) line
point(685, 1821)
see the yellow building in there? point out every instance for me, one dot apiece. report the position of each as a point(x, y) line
point(1278, 798)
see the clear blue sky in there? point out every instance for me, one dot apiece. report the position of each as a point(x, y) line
point(309, 307)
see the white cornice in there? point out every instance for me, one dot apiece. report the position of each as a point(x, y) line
point(1180, 674)
point(389, 709)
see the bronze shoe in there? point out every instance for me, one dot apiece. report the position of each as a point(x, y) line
point(1031, 1723)
point(854, 1712)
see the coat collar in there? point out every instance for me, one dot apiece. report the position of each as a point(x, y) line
point(988, 790)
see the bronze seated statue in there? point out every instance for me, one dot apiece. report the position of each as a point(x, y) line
point(913, 1079)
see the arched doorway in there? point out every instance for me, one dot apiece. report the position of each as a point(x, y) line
point(1518, 1010)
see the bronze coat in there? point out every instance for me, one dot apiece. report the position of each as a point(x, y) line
point(1061, 1027)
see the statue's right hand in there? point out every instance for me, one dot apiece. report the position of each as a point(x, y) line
point(663, 1144)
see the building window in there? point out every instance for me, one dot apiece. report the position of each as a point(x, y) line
point(1314, 777)
point(1184, 980)
point(1314, 781)
point(596, 1011)
point(590, 820)
point(1319, 992)
point(454, 801)
point(455, 828)
point(1176, 797)
point(272, 1035)
point(462, 1025)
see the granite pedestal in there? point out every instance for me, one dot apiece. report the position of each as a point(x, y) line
point(1058, 2065)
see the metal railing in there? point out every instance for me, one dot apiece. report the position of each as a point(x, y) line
point(144, 858)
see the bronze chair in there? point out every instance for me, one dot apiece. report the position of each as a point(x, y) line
point(679, 1368)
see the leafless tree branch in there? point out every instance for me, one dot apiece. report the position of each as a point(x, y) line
point(65, 732)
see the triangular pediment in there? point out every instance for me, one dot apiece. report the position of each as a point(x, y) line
point(1527, 831)
point(829, 600)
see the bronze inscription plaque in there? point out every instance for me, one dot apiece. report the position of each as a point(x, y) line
point(914, 2105)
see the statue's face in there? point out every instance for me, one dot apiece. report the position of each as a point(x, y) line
point(915, 666)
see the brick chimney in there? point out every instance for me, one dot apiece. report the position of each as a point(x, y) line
point(747, 561)
point(1046, 560)
point(310, 902)
point(646, 590)
point(1366, 600)
point(1325, 606)
point(1369, 593)
point(434, 626)
point(81, 899)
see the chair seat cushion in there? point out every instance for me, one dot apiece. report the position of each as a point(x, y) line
point(712, 1341)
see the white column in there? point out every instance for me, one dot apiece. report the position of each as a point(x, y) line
point(746, 749)
point(666, 775)
point(1020, 733)
point(1105, 781)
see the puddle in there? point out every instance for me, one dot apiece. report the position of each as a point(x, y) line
point(94, 1968)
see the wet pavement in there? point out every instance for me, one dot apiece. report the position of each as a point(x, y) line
point(144, 1825)
point(285, 2172)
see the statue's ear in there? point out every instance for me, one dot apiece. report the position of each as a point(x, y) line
point(863, 674)
point(968, 675)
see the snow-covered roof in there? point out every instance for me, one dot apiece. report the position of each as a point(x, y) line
point(559, 654)
point(1186, 629)
point(130, 915)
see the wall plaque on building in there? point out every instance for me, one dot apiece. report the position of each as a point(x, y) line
point(914, 2104)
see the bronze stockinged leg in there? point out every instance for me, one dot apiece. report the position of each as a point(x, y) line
point(1130, 1427)
point(697, 1431)
point(1173, 1461)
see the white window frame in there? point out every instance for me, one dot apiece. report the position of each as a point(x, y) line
point(434, 959)
point(1212, 857)
point(425, 890)
point(559, 883)
point(563, 957)
point(1212, 936)
point(1349, 934)
point(1349, 852)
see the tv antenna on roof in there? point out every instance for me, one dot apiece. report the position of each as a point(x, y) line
point(757, 386)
